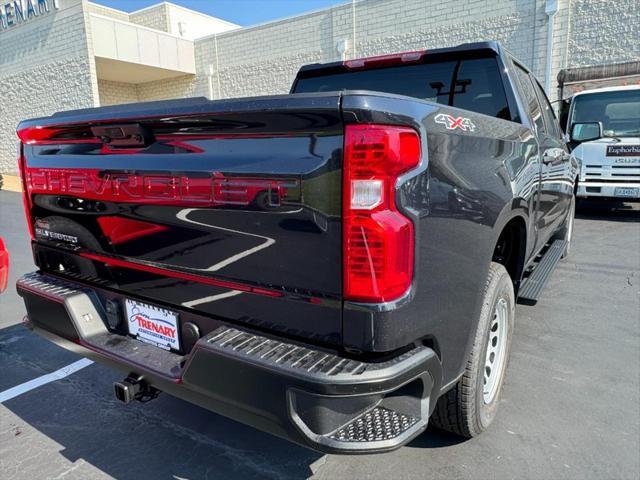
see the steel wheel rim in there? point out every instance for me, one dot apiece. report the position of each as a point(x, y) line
point(495, 357)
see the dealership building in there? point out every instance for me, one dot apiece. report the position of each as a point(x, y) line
point(68, 54)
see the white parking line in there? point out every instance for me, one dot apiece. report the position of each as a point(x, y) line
point(213, 298)
point(44, 379)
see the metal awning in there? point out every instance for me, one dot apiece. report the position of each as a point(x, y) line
point(596, 72)
point(130, 53)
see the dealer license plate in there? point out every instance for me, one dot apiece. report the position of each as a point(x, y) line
point(152, 324)
point(627, 192)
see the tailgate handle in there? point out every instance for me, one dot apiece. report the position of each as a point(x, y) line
point(126, 135)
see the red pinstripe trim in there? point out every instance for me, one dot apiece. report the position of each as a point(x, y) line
point(114, 262)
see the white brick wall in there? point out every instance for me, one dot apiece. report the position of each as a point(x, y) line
point(264, 59)
point(191, 25)
point(604, 31)
point(107, 12)
point(48, 64)
point(179, 87)
point(44, 68)
point(156, 17)
point(113, 93)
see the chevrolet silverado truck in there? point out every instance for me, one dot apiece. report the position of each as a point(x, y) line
point(407, 202)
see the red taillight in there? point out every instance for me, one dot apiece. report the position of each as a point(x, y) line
point(378, 240)
point(33, 135)
point(53, 135)
point(26, 194)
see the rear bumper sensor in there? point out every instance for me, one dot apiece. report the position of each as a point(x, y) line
point(307, 395)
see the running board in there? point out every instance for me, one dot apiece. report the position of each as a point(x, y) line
point(533, 286)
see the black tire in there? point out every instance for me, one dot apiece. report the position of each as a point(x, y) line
point(263, 201)
point(566, 231)
point(463, 409)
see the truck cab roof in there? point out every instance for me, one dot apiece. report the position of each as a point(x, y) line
point(413, 56)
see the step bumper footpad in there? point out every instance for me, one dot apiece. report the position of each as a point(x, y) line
point(377, 425)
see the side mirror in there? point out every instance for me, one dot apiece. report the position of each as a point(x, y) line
point(583, 132)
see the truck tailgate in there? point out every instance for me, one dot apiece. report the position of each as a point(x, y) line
point(228, 208)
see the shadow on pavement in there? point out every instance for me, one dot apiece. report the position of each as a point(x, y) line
point(434, 438)
point(164, 439)
point(608, 210)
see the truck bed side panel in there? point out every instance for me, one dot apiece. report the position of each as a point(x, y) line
point(472, 183)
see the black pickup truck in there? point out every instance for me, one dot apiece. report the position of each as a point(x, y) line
point(335, 266)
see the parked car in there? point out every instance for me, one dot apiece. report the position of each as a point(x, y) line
point(417, 196)
point(4, 266)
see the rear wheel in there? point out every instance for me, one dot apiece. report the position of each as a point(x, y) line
point(263, 201)
point(470, 407)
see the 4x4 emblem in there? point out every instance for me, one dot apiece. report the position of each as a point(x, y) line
point(451, 123)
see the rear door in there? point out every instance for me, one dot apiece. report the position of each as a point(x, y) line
point(230, 209)
point(551, 149)
point(556, 186)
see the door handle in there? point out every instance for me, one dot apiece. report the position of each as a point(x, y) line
point(553, 156)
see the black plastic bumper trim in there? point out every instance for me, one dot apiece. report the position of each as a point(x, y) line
point(309, 396)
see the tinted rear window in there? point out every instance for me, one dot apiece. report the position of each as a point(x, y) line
point(472, 84)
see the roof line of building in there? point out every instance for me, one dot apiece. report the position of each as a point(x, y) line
point(99, 5)
point(143, 27)
point(156, 5)
point(180, 7)
point(283, 19)
point(249, 27)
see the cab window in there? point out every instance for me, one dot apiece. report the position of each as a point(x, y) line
point(547, 111)
point(529, 96)
point(473, 84)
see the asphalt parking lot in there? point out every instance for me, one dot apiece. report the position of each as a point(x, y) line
point(570, 408)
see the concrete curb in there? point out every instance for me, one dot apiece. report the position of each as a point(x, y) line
point(11, 183)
